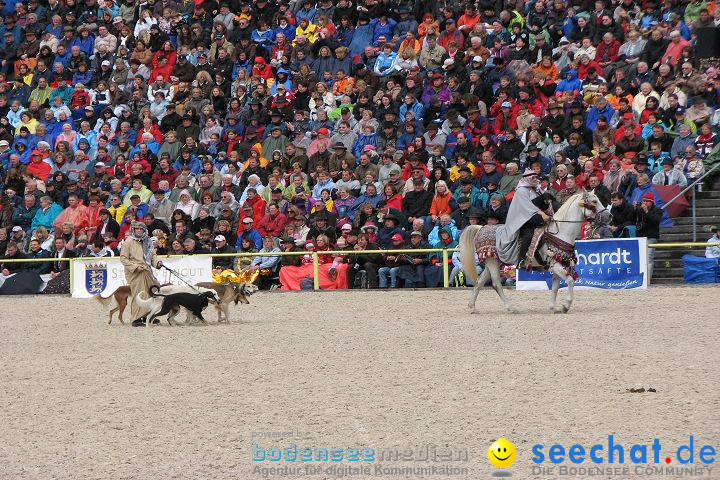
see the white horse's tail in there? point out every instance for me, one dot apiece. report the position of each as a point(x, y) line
point(467, 251)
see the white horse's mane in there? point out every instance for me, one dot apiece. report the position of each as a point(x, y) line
point(565, 207)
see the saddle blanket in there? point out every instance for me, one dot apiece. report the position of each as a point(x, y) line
point(485, 242)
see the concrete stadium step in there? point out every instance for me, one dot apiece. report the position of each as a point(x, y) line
point(669, 272)
point(657, 280)
point(676, 237)
point(700, 219)
point(676, 254)
point(687, 228)
point(668, 262)
point(706, 211)
point(676, 273)
point(707, 202)
point(707, 194)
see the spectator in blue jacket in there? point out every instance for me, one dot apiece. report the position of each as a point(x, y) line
point(406, 23)
point(86, 41)
point(285, 28)
point(363, 35)
point(250, 232)
point(385, 60)
point(390, 227)
point(46, 214)
point(446, 222)
point(306, 11)
point(410, 103)
point(601, 109)
point(570, 83)
point(367, 137)
point(382, 27)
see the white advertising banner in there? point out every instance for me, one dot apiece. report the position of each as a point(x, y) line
point(104, 275)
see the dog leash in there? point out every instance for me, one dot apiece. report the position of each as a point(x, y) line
point(179, 277)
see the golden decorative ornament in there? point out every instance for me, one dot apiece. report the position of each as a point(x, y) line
point(231, 276)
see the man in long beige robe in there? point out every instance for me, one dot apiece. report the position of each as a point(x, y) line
point(137, 255)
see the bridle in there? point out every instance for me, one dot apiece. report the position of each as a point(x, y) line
point(585, 204)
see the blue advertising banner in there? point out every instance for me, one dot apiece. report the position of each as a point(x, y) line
point(605, 264)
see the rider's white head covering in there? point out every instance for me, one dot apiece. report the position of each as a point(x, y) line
point(529, 179)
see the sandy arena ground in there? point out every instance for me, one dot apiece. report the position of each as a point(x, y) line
point(84, 400)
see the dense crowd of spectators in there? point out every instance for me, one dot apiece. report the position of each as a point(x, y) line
point(265, 125)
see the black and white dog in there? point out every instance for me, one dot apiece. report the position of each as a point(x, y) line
point(171, 304)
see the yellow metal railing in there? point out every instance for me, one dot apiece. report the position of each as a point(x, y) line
point(315, 255)
point(316, 264)
point(684, 245)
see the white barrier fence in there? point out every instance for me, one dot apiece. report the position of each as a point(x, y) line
point(104, 275)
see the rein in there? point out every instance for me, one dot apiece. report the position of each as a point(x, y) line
point(582, 205)
point(179, 277)
point(567, 221)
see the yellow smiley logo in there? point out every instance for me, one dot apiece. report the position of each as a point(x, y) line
point(501, 453)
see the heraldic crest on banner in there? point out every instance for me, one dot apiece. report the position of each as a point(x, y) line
point(96, 277)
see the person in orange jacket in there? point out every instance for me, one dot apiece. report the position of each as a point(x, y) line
point(441, 201)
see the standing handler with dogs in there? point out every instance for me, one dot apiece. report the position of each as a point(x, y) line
point(137, 255)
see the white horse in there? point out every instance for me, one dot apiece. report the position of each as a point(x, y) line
point(557, 251)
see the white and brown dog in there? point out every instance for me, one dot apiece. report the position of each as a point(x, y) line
point(229, 293)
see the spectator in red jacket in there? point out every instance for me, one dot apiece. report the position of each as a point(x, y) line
point(628, 122)
point(80, 98)
point(607, 52)
point(506, 118)
point(449, 34)
point(584, 66)
point(38, 166)
point(273, 223)
point(262, 69)
point(534, 106)
point(164, 172)
point(161, 67)
point(151, 128)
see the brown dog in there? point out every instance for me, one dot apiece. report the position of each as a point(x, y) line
point(116, 302)
point(229, 293)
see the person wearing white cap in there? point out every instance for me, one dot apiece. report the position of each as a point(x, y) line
point(221, 246)
point(250, 232)
point(20, 238)
point(563, 53)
